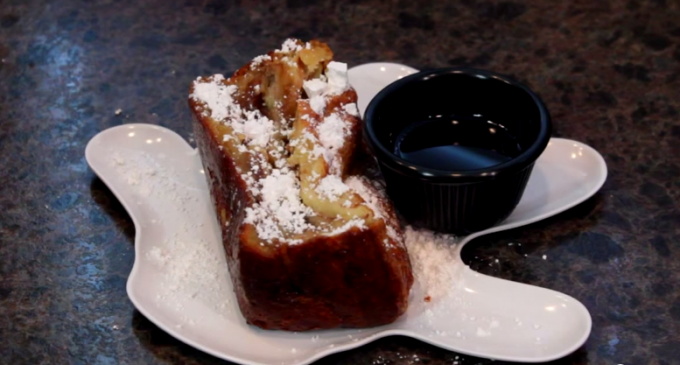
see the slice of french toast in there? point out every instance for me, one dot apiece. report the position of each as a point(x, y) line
point(309, 243)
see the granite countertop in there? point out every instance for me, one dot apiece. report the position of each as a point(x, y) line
point(609, 71)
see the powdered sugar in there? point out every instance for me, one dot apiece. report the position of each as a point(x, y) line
point(217, 96)
point(257, 128)
point(314, 87)
point(392, 233)
point(158, 255)
point(334, 82)
point(222, 107)
point(331, 187)
point(281, 195)
point(289, 45)
point(318, 104)
point(257, 61)
point(332, 132)
point(281, 210)
point(336, 72)
point(434, 259)
point(358, 223)
point(194, 270)
point(361, 186)
point(373, 196)
point(351, 109)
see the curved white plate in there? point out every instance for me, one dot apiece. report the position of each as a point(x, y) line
point(368, 79)
point(158, 178)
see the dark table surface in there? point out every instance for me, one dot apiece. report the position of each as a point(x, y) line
point(609, 72)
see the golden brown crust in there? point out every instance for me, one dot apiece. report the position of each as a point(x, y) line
point(356, 278)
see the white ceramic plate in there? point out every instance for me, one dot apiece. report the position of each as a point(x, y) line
point(180, 282)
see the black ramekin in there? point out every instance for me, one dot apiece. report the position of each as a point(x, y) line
point(459, 202)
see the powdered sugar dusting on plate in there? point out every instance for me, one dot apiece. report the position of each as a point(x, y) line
point(435, 262)
point(194, 270)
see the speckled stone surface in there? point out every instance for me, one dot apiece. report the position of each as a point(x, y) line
point(609, 71)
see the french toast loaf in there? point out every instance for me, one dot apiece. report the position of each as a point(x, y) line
point(310, 242)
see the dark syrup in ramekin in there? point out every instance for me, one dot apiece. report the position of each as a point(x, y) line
point(456, 143)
